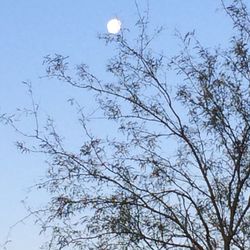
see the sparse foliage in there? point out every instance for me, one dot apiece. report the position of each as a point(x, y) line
point(176, 175)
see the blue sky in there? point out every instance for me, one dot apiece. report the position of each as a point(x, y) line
point(32, 29)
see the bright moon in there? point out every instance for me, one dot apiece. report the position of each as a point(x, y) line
point(114, 26)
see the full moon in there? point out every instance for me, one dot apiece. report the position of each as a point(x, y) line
point(114, 26)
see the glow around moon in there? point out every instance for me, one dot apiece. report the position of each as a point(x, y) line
point(114, 26)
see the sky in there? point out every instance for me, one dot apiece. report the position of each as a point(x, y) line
point(30, 30)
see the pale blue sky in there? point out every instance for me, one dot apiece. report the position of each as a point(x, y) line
point(31, 29)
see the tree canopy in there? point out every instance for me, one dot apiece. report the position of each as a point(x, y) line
point(176, 173)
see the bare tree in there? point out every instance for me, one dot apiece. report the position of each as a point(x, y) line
point(176, 175)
